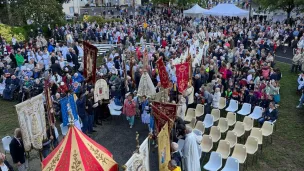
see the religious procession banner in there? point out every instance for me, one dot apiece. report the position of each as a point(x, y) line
point(163, 140)
point(90, 55)
point(31, 117)
point(162, 72)
point(169, 110)
point(68, 104)
point(139, 161)
point(101, 90)
point(182, 74)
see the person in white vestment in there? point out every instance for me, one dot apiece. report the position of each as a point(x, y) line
point(191, 152)
point(189, 93)
point(181, 109)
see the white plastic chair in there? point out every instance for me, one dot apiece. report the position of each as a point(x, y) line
point(233, 106)
point(192, 123)
point(222, 103)
point(199, 110)
point(246, 109)
point(215, 162)
point(200, 126)
point(216, 113)
point(208, 121)
point(190, 114)
point(64, 129)
point(256, 113)
point(6, 141)
point(113, 112)
point(232, 164)
point(114, 106)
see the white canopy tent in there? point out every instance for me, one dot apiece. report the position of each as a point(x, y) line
point(196, 10)
point(229, 10)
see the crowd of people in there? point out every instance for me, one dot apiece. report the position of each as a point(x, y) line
point(230, 57)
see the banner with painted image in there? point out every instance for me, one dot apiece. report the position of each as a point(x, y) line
point(139, 161)
point(163, 140)
point(31, 117)
point(68, 103)
point(89, 62)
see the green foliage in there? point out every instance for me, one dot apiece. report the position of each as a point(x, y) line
point(8, 31)
point(100, 20)
point(286, 5)
point(40, 12)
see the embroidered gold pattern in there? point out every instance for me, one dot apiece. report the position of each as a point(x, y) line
point(98, 155)
point(55, 160)
point(76, 165)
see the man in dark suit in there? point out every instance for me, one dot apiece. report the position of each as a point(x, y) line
point(17, 151)
point(175, 155)
point(270, 114)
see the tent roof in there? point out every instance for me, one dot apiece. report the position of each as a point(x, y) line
point(78, 152)
point(196, 9)
point(227, 10)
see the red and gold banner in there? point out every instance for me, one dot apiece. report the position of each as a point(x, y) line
point(163, 75)
point(89, 62)
point(182, 75)
point(163, 141)
point(163, 113)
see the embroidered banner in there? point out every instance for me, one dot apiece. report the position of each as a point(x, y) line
point(89, 61)
point(163, 140)
point(101, 90)
point(168, 110)
point(68, 103)
point(139, 161)
point(31, 118)
point(163, 75)
point(182, 74)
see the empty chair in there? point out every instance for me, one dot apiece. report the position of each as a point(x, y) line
point(199, 110)
point(114, 106)
point(257, 133)
point(267, 129)
point(251, 145)
point(208, 121)
point(6, 141)
point(200, 126)
point(248, 121)
point(232, 138)
point(190, 114)
point(64, 129)
point(192, 123)
point(256, 113)
point(223, 148)
point(207, 143)
point(113, 112)
point(233, 106)
point(239, 129)
point(214, 163)
point(245, 110)
point(239, 153)
point(222, 104)
point(231, 118)
point(215, 133)
point(223, 125)
point(232, 164)
point(216, 113)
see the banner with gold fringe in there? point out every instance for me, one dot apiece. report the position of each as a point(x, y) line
point(182, 75)
point(163, 75)
point(163, 140)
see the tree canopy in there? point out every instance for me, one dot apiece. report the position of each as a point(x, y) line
point(286, 5)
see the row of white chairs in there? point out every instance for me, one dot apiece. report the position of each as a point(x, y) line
point(240, 151)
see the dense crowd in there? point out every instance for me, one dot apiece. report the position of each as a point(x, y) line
point(230, 57)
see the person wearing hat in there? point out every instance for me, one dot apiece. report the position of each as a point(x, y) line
point(129, 109)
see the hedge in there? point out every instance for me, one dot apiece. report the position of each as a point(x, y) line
point(100, 20)
point(8, 31)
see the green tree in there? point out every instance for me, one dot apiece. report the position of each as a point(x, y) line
point(287, 5)
point(39, 12)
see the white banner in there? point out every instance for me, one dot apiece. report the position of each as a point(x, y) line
point(31, 116)
point(140, 162)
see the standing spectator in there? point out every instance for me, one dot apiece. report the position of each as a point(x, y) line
point(17, 151)
point(129, 109)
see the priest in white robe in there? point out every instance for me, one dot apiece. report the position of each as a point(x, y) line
point(191, 152)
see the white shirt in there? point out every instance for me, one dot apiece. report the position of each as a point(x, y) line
point(4, 167)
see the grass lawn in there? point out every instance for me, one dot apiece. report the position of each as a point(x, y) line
point(286, 152)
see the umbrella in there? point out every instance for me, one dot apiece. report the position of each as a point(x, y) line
point(78, 152)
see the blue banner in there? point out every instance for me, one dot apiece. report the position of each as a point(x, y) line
point(64, 109)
